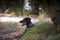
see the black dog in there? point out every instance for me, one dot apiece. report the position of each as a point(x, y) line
point(27, 22)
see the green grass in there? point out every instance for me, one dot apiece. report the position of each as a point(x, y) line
point(38, 32)
point(41, 32)
point(8, 24)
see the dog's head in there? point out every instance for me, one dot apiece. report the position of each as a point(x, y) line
point(25, 21)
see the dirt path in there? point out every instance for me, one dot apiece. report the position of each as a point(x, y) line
point(15, 19)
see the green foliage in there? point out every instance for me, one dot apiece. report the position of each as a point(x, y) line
point(5, 4)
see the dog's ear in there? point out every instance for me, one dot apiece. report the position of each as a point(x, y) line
point(28, 19)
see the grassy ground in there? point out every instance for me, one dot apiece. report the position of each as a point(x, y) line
point(38, 32)
point(41, 32)
point(8, 23)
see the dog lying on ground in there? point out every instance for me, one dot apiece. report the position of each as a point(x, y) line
point(27, 22)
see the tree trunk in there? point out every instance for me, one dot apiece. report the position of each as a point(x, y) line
point(35, 9)
point(52, 8)
point(21, 12)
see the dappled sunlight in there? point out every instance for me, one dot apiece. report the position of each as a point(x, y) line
point(15, 19)
point(7, 18)
point(10, 19)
